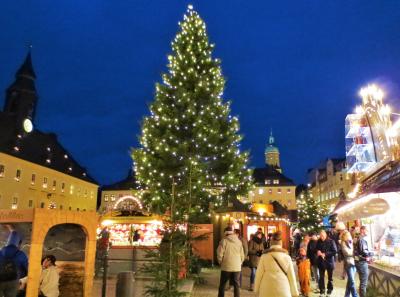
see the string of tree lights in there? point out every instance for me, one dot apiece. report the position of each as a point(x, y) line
point(310, 213)
point(190, 145)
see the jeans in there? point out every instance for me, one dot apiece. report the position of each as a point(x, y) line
point(9, 288)
point(321, 283)
point(240, 280)
point(226, 276)
point(315, 272)
point(362, 269)
point(252, 274)
point(351, 285)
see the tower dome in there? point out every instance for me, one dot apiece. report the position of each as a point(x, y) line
point(272, 153)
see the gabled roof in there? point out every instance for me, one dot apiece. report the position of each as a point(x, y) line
point(268, 172)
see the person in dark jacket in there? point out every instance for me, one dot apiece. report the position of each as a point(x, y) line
point(326, 252)
point(362, 256)
point(13, 265)
point(256, 248)
point(312, 255)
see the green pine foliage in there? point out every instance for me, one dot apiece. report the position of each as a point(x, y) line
point(310, 213)
point(190, 139)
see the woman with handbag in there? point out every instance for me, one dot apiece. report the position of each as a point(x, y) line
point(256, 248)
point(275, 273)
point(346, 244)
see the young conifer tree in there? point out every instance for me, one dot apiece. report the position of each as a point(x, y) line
point(189, 154)
point(310, 213)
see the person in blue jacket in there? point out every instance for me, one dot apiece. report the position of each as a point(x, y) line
point(13, 265)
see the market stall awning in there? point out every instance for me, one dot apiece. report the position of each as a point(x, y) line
point(364, 207)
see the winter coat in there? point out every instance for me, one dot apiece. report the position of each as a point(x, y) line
point(328, 247)
point(312, 251)
point(245, 247)
point(230, 254)
point(49, 282)
point(19, 258)
point(255, 252)
point(271, 281)
point(348, 252)
point(361, 250)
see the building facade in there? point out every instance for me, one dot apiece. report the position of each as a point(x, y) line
point(270, 183)
point(36, 171)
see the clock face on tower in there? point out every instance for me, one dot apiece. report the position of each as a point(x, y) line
point(28, 126)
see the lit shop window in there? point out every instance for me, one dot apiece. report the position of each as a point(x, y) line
point(45, 181)
point(260, 191)
point(106, 197)
point(54, 185)
point(33, 179)
point(18, 175)
point(276, 181)
point(2, 170)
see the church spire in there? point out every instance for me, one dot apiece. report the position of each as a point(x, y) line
point(271, 139)
point(26, 69)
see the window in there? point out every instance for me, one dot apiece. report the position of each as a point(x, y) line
point(33, 179)
point(85, 193)
point(14, 203)
point(270, 191)
point(276, 181)
point(77, 208)
point(18, 175)
point(45, 182)
point(267, 181)
point(279, 191)
point(2, 170)
point(42, 205)
point(120, 195)
point(106, 197)
point(289, 191)
point(30, 203)
point(78, 192)
point(62, 187)
point(61, 207)
point(54, 185)
point(70, 208)
point(71, 190)
point(15, 200)
point(112, 197)
point(91, 194)
point(260, 191)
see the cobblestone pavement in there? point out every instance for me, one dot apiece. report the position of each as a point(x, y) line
point(211, 278)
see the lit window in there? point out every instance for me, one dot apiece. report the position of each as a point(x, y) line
point(45, 182)
point(14, 203)
point(15, 200)
point(54, 185)
point(30, 203)
point(106, 197)
point(91, 194)
point(2, 170)
point(260, 191)
point(62, 187)
point(270, 191)
point(18, 175)
point(267, 181)
point(112, 197)
point(279, 191)
point(14, 206)
point(33, 179)
point(289, 191)
point(71, 190)
point(276, 181)
point(85, 193)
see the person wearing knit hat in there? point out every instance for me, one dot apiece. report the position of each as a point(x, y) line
point(230, 256)
point(275, 275)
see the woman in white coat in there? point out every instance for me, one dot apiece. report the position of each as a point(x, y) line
point(275, 274)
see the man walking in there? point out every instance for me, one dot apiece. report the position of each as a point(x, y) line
point(326, 252)
point(312, 255)
point(362, 256)
point(230, 256)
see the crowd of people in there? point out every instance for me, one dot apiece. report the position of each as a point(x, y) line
point(14, 270)
point(272, 271)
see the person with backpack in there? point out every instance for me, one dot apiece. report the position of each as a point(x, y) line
point(13, 265)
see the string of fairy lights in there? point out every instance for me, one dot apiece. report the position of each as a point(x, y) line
point(190, 142)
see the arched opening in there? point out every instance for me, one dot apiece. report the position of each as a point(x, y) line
point(67, 242)
point(128, 206)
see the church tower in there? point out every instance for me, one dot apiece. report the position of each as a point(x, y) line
point(272, 154)
point(21, 96)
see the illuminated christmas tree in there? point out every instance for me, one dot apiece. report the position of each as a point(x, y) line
point(189, 155)
point(310, 213)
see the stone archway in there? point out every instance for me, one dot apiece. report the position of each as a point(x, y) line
point(43, 221)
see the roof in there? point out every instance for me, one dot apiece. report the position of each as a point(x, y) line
point(234, 206)
point(128, 183)
point(39, 148)
point(26, 68)
point(269, 172)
